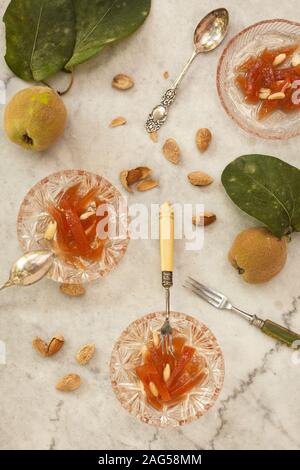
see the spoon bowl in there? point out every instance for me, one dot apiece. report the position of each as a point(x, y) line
point(211, 30)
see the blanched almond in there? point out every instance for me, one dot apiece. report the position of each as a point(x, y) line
point(206, 219)
point(296, 59)
point(203, 139)
point(85, 354)
point(199, 178)
point(50, 231)
point(69, 383)
point(118, 121)
point(279, 59)
point(153, 389)
point(86, 215)
point(156, 338)
point(122, 82)
point(171, 151)
point(277, 96)
point(167, 372)
point(264, 93)
point(73, 290)
point(147, 184)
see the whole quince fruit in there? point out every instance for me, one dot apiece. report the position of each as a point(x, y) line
point(258, 255)
point(35, 118)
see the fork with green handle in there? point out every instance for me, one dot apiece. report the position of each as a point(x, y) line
point(220, 301)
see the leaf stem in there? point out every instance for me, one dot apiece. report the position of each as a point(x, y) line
point(64, 92)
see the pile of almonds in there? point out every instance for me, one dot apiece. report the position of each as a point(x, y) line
point(140, 177)
point(69, 382)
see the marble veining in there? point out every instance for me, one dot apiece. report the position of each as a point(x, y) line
point(259, 404)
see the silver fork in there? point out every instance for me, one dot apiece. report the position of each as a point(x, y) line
point(219, 300)
point(166, 332)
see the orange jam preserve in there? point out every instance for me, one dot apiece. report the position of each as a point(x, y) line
point(267, 80)
point(167, 378)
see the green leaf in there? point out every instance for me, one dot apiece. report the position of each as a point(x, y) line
point(40, 37)
point(266, 188)
point(102, 22)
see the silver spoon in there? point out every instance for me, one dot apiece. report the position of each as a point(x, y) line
point(209, 33)
point(30, 268)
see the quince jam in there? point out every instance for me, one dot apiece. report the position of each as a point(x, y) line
point(76, 233)
point(267, 80)
point(166, 378)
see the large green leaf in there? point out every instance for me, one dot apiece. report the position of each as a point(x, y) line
point(266, 188)
point(102, 22)
point(40, 37)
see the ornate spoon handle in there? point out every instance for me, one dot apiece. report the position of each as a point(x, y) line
point(159, 114)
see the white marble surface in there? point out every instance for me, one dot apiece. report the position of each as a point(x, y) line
point(259, 405)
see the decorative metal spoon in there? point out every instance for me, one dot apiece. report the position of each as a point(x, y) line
point(209, 33)
point(30, 268)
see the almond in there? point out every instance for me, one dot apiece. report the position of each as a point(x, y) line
point(73, 290)
point(118, 121)
point(122, 82)
point(40, 346)
point(156, 338)
point(166, 75)
point(171, 151)
point(167, 372)
point(264, 93)
point(277, 96)
point(206, 219)
point(296, 59)
point(85, 354)
point(147, 184)
point(154, 136)
point(279, 59)
point(203, 139)
point(55, 345)
point(153, 389)
point(50, 231)
point(199, 178)
point(86, 215)
point(130, 177)
point(50, 349)
point(69, 383)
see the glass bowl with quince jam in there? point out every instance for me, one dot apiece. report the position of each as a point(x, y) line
point(70, 213)
point(258, 79)
point(162, 389)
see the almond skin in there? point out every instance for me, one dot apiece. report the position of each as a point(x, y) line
point(118, 121)
point(147, 184)
point(203, 139)
point(172, 151)
point(206, 219)
point(199, 178)
point(55, 345)
point(50, 349)
point(130, 177)
point(69, 383)
point(72, 290)
point(122, 82)
point(40, 346)
point(85, 354)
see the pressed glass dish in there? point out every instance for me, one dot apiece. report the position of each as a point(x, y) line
point(272, 34)
point(127, 355)
point(33, 220)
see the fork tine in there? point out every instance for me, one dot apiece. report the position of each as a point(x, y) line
point(162, 339)
point(171, 344)
point(203, 296)
point(207, 290)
